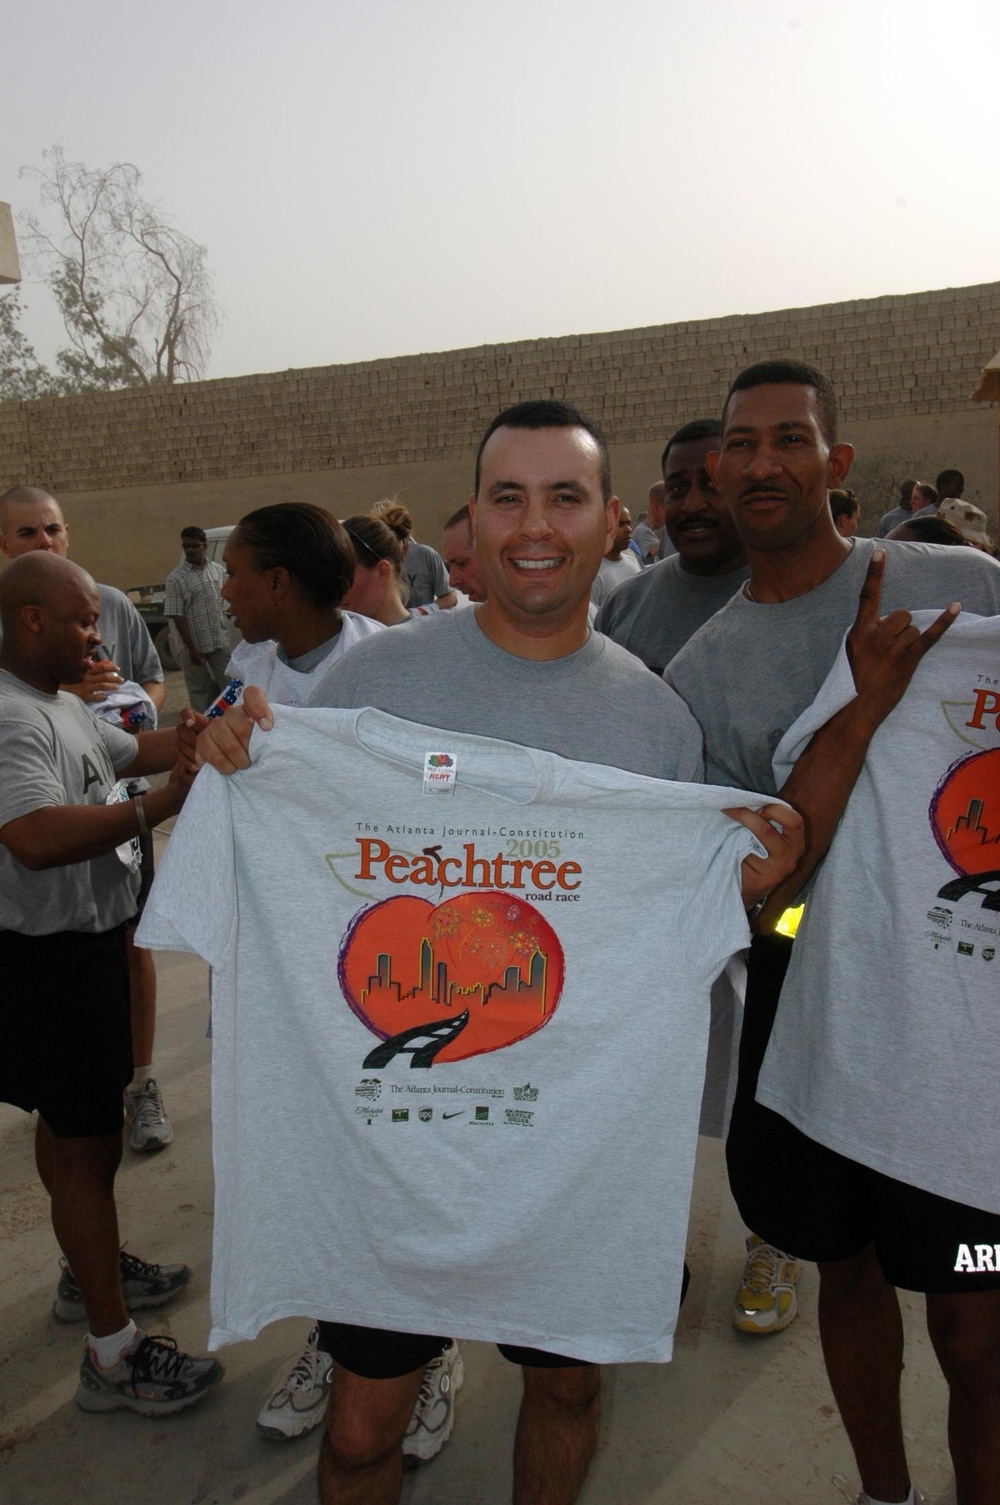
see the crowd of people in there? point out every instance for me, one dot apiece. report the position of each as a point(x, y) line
point(792, 659)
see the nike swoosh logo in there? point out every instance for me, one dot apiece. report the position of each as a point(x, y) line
point(453, 1115)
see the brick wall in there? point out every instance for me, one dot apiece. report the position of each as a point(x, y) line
point(344, 435)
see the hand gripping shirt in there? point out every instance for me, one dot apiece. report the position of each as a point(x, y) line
point(430, 1057)
point(886, 1045)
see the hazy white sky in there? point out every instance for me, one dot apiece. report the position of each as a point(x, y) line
point(383, 179)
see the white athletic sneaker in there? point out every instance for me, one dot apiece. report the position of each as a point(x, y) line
point(299, 1402)
point(862, 1499)
point(147, 1123)
point(434, 1414)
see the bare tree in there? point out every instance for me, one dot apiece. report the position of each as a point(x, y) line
point(134, 293)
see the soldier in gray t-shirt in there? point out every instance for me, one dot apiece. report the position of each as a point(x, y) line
point(31, 520)
point(747, 675)
point(68, 881)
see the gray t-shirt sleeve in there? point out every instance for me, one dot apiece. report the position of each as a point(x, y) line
point(26, 746)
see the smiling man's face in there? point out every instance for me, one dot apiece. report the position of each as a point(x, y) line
point(542, 527)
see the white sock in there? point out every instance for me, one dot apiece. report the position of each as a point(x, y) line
point(910, 1499)
point(140, 1077)
point(108, 1350)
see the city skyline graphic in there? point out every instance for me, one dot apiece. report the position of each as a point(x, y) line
point(436, 990)
point(965, 813)
point(971, 822)
point(445, 982)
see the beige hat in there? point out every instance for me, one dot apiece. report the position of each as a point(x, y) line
point(969, 519)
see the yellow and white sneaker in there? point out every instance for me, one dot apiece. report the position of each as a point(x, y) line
point(766, 1301)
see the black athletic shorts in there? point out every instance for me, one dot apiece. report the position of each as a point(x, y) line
point(374, 1353)
point(816, 1204)
point(65, 1028)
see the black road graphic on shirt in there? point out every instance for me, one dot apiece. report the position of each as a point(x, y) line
point(421, 1042)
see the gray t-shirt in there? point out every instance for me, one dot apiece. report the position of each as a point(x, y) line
point(126, 639)
point(425, 573)
point(655, 614)
point(611, 574)
point(598, 705)
point(645, 536)
point(754, 668)
point(54, 752)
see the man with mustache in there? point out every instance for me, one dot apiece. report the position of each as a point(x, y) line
point(747, 676)
point(654, 614)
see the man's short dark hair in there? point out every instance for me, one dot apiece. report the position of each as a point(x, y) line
point(198, 533)
point(906, 492)
point(688, 433)
point(461, 516)
point(950, 483)
point(791, 374)
point(546, 413)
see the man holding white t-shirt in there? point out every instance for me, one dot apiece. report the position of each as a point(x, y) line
point(526, 669)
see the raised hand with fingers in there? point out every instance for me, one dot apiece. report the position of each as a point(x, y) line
point(884, 651)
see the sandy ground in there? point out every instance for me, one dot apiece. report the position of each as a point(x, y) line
point(735, 1419)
